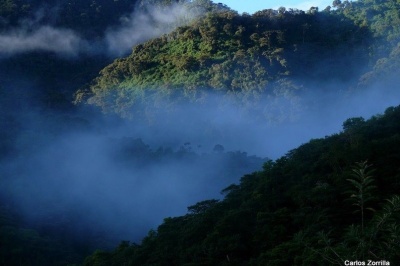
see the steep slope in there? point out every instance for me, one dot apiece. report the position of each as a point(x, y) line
point(249, 57)
point(234, 54)
point(41, 45)
point(382, 18)
point(300, 210)
point(241, 57)
point(40, 228)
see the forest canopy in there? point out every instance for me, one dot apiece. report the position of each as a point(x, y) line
point(327, 201)
point(71, 176)
point(250, 56)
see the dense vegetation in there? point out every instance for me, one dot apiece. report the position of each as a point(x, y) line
point(67, 239)
point(57, 77)
point(249, 56)
point(54, 78)
point(314, 206)
point(326, 201)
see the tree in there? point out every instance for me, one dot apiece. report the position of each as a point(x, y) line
point(362, 192)
point(337, 3)
point(202, 206)
point(218, 148)
point(353, 123)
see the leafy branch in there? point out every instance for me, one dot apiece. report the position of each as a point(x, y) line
point(362, 191)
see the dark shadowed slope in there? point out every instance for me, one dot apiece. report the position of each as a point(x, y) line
point(300, 210)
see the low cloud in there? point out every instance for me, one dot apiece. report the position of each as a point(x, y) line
point(142, 25)
point(44, 38)
point(111, 182)
point(103, 179)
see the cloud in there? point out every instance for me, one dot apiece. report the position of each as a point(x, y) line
point(89, 178)
point(76, 174)
point(44, 38)
point(142, 25)
point(109, 182)
point(146, 24)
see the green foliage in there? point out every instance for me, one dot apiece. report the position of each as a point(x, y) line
point(377, 241)
point(243, 57)
point(294, 212)
point(202, 207)
point(362, 191)
point(382, 18)
point(58, 78)
point(352, 124)
point(24, 246)
point(384, 68)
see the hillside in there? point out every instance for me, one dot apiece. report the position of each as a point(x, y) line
point(37, 231)
point(300, 210)
point(117, 114)
point(54, 48)
point(41, 47)
point(248, 57)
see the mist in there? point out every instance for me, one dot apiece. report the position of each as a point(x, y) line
point(120, 177)
point(91, 174)
point(39, 33)
point(45, 38)
point(104, 179)
point(146, 24)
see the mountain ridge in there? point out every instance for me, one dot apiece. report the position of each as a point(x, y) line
point(222, 74)
point(243, 55)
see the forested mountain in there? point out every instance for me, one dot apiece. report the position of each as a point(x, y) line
point(89, 18)
point(56, 47)
point(65, 237)
point(327, 201)
point(196, 80)
point(250, 56)
point(32, 35)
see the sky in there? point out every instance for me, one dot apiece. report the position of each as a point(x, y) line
point(252, 6)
